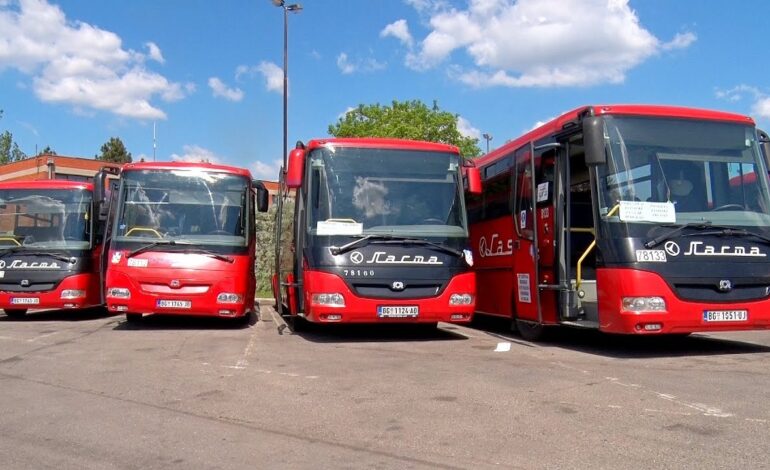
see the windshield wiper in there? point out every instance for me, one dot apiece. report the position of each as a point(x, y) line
point(733, 232)
point(338, 250)
point(677, 229)
point(392, 239)
point(152, 245)
point(206, 252)
point(21, 250)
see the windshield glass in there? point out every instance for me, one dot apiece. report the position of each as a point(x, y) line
point(683, 171)
point(182, 205)
point(365, 191)
point(45, 218)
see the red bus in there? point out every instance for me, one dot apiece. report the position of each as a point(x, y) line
point(49, 246)
point(377, 233)
point(181, 240)
point(628, 219)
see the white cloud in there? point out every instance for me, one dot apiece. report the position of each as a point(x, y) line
point(154, 52)
point(219, 89)
point(466, 129)
point(366, 65)
point(196, 153)
point(266, 171)
point(399, 30)
point(539, 43)
point(273, 76)
point(345, 113)
point(760, 107)
point(74, 63)
point(343, 64)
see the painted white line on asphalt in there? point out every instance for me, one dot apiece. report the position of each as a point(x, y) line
point(32, 340)
point(243, 362)
point(503, 347)
point(704, 409)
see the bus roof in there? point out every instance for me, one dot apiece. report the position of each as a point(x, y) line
point(203, 166)
point(46, 184)
point(378, 142)
point(558, 124)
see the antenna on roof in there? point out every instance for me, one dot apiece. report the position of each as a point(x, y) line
point(154, 141)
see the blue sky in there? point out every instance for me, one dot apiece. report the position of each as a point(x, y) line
point(208, 74)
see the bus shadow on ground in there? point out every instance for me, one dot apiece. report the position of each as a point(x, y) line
point(624, 346)
point(181, 322)
point(69, 315)
point(357, 333)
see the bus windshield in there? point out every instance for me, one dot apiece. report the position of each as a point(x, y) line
point(364, 191)
point(45, 219)
point(185, 206)
point(682, 171)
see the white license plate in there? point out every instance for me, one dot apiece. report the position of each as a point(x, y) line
point(398, 311)
point(174, 304)
point(725, 315)
point(650, 256)
point(25, 300)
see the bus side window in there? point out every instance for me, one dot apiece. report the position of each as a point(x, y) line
point(523, 208)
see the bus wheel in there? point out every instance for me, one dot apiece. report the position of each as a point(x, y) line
point(297, 323)
point(133, 318)
point(16, 313)
point(529, 330)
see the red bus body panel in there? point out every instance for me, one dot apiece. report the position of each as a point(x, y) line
point(364, 310)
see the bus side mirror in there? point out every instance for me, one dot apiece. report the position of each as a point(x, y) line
point(262, 196)
point(764, 143)
point(474, 180)
point(593, 141)
point(296, 168)
point(104, 184)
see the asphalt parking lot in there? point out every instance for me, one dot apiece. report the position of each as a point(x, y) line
point(85, 390)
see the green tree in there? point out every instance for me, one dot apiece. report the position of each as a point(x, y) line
point(9, 150)
point(114, 151)
point(47, 151)
point(405, 120)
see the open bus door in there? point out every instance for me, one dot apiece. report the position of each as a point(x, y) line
point(106, 183)
point(533, 248)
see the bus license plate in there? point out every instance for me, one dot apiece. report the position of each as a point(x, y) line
point(725, 315)
point(398, 311)
point(25, 300)
point(174, 304)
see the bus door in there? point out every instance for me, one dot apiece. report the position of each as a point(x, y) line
point(525, 275)
point(546, 187)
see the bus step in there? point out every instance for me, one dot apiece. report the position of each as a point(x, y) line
point(588, 324)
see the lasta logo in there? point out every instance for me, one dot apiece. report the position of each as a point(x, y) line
point(701, 249)
point(19, 264)
point(382, 257)
point(495, 247)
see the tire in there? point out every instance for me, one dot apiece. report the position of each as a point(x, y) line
point(16, 313)
point(530, 331)
point(297, 323)
point(133, 318)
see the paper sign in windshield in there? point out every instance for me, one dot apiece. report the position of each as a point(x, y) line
point(326, 227)
point(638, 211)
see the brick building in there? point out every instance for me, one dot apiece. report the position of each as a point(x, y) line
point(45, 167)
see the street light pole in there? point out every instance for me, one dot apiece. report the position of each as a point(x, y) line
point(296, 7)
point(487, 137)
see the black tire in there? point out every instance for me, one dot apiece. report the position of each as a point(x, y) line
point(249, 319)
point(16, 313)
point(530, 331)
point(134, 318)
point(297, 323)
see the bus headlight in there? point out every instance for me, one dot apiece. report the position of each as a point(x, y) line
point(73, 294)
point(229, 298)
point(644, 304)
point(119, 293)
point(460, 299)
point(328, 300)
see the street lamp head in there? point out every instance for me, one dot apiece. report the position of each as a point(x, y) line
point(278, 3)
point(487, 136)
point(296, 7)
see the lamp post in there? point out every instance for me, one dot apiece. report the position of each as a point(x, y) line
point(295, 7)
point(487, 137)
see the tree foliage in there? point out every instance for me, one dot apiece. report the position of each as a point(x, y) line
point(9, 150)
point(405, 120)
point(47, 151)
point(114, 151)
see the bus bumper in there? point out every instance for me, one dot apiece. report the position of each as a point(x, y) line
point(74, 292)
point(358, 309)
point(680, 316)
